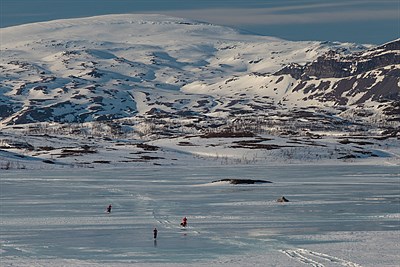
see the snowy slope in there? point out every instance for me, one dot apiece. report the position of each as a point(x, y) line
point(152, 77)
point(119, 66)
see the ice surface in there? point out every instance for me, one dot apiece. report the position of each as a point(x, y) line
point(337, 216)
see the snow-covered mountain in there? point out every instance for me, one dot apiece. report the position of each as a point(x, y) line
point(187, 77)
point(123, 65)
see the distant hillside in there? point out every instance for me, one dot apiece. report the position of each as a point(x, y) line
point(151, 77)
point(120, 66)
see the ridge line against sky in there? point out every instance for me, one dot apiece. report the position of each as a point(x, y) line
point(360, 21)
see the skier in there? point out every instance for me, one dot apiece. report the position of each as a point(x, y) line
point(184, 222)
point(109, 208)
point(155, 233)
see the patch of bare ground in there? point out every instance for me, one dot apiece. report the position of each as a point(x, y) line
point(358, 154)
point(77, 152)
point(102, 161)
point(361, 143)
point(186, 144)
point(150, 157)
point(46, 148)
point(255, 144)
point(141, 159)
point(228, 134)
point(147, 147)
point(9, 144)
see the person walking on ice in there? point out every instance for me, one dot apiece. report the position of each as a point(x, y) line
point(155, 233)
point(184, 222)
point(108, 209)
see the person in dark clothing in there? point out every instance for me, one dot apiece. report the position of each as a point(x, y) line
point(109, 208)
point(155, 233)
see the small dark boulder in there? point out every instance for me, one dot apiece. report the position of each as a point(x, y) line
point(242, 181)
point(282, 199)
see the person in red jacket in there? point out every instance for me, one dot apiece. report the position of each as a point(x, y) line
point(184, 222)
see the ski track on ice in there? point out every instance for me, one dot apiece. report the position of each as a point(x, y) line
point(304, 256)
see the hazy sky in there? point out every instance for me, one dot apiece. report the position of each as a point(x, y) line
point(361, 21)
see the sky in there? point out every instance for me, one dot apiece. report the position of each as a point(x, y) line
point(359, 21)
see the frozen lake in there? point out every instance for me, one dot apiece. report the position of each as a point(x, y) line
point(59, 214)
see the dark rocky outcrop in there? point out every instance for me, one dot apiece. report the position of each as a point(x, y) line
point(335, 65)
point(351, 79)
point(242, 181)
